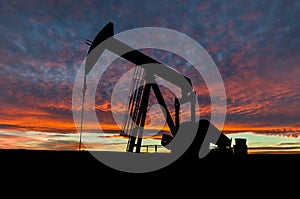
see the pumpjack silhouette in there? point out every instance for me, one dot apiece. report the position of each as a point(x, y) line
point(146, 70)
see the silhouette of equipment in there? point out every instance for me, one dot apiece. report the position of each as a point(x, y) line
point(240, 147)
point(145, 72)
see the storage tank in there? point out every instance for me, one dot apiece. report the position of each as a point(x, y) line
point(240, 147)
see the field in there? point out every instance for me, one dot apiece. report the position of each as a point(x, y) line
point(223, 169)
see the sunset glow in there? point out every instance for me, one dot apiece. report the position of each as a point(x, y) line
point(255, 45)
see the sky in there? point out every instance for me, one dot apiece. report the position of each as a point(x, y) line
point(255, 45)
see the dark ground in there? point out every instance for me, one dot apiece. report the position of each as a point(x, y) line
point(228, 174)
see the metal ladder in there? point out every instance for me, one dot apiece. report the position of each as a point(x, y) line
point(133, 104)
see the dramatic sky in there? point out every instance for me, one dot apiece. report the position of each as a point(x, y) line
point(255, 45)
